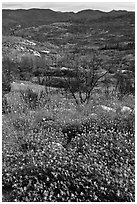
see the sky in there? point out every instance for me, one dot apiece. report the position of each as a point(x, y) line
point(71, 6)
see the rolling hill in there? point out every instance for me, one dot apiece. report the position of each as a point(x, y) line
point(11, 19)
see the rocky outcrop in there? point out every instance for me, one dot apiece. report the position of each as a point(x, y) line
point(126, 109)
point(23, 85)
point(108, 109)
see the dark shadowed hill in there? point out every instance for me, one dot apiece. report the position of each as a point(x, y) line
point(36, 17)
point(90, 14)
point(32, 17)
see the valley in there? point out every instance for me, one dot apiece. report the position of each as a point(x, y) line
point(68, 106)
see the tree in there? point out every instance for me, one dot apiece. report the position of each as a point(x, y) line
point(125, 84)
point(106, 85)
point(9, 73)
point(125, 78)
point(88, 74)
point(26, 67)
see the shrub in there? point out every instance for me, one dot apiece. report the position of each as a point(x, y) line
point(33, 99)
point(30, 98)
point(5, 83)
point(5, 106)
point(9, 73)
point(21, 124)
point(96, 166)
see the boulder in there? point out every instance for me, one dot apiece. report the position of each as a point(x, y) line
point(108, 109)
point(93, 115)
point(125, 109)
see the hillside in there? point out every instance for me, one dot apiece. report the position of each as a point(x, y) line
point(68, 106)
point(34, 17)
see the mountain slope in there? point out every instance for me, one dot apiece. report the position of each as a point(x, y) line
point(90, 14)
point(35, 17)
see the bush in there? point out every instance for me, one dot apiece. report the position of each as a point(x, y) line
point(33, 99)
point(9, 73)
point(96, 166)
point(21, 124)
point(5, 83)
point(5, 106)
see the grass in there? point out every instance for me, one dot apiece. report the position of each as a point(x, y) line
point(58, 152)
